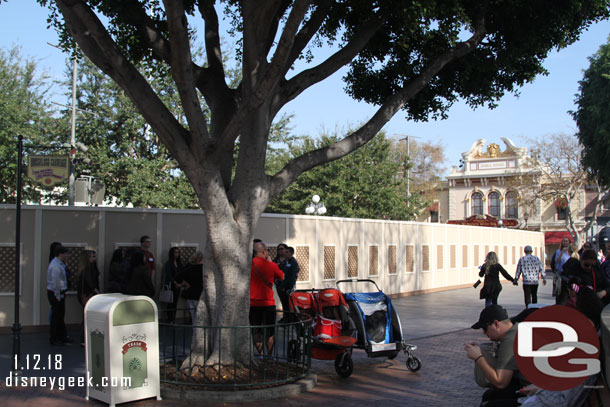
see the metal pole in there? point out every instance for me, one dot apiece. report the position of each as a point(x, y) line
point(409, 160)
point(72, 137)
point(16, 362)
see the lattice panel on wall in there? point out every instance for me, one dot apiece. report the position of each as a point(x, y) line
point(273, 252)
point(409, 258)
point(536, 251)
point(352, 261)
point(497, 251)
point(452, 256)
point(373, 260)
point(7, 269)
point(425, 257)
point(475, 255)
point(329, 262)
point(186, 253)
point(514, 255)
point(391, 259)
point(74, 255)
point(439, 257)
point(485, 252)
point(301, 253)
point(464, 256)
point(506, 255)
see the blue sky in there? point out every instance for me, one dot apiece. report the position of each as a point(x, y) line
point(541, 109)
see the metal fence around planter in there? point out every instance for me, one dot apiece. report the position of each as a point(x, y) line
point(289, 361)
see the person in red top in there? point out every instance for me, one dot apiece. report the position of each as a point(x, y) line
point(262, 304)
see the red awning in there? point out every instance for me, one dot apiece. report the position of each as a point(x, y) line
point(556, 237)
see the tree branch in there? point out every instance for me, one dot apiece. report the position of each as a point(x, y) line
point(385, 112)
point(182, 73)
point(309, 77)
point(212, 39)
point(94, 40)
point(274, 24)
point(269, 79)
point(307, 32)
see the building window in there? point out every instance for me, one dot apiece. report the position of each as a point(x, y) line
point(494, 204)
point(512, 206)
point(434, 216)
point(561, 213)
point(476, 203)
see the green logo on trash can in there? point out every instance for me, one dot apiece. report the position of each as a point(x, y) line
point(134, 360)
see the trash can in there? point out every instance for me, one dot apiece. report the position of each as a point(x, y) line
point(122, 348)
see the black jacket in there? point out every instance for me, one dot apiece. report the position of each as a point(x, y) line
point(491, 285)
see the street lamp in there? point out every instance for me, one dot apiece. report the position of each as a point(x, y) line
point(315, 207)
point(500, 223)
point(526, 216)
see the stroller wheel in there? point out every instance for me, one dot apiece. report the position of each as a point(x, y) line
point(293, 350)
point(413, 363)
point(344, 365)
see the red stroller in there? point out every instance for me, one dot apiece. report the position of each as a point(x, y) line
point(333, 329)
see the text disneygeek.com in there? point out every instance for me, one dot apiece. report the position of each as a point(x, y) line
point(37, 362)
point(62, 382)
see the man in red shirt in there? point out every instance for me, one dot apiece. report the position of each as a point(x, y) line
point(262, 304)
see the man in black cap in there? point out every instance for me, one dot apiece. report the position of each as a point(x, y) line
point(505, 378)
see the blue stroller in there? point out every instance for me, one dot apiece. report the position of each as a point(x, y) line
point(378, 325)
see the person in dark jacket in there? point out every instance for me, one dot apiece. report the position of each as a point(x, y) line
point(491, 269)
point(586, 273)
point(170, 271)
point(88, 282)
point(116, 279)
point(138, 277)
point(190, 278)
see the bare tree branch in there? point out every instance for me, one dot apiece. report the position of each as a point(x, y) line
point(385, 112)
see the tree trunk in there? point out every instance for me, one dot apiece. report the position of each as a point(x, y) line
point(225, 299)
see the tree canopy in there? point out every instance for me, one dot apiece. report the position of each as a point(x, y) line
point(24, 109)
point(366, 184)
point(593, 114)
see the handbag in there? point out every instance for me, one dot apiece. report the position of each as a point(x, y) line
point(166, 295)
point(478, 283)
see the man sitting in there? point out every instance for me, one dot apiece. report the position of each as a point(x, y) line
point(505, 379)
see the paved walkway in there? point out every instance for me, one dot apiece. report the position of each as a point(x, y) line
point(438, 323)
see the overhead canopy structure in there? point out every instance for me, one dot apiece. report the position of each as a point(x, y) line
point(556, 237)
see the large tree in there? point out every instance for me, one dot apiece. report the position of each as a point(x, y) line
point(410, 55)
point(593, 114)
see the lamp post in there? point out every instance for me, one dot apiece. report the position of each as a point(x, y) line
point(526, 216)
point(315, 207)
point(16, 361)
point(500, 223)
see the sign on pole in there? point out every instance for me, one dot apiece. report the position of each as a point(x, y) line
point(48, 170)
